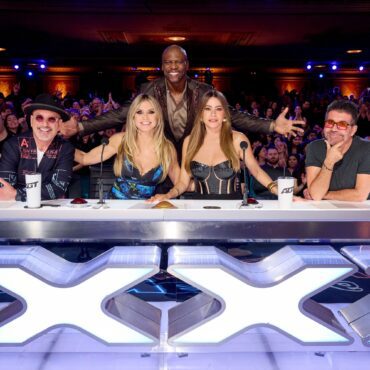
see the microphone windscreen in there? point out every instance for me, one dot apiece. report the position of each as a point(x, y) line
point(243, 145)
point(104, 141)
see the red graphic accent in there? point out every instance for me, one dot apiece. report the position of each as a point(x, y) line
point(24, 143)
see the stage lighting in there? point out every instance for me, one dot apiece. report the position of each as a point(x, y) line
point(42, 66)
point(334, 67)
point(308, 66)
point(196, 75)
point(29, 73)
point(361, 68)
point(16, 66)
point(321, 75)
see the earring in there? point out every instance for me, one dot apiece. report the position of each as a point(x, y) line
point(224, 120)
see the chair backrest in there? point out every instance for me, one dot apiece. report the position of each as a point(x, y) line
point(107, 176)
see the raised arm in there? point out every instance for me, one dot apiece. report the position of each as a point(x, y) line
point(243, 121)
point(109, 119)
point(318, 178)
point(94, 155)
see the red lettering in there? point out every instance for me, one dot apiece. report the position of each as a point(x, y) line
point(24, 143)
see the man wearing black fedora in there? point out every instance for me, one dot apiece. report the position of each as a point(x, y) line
point(39, 150)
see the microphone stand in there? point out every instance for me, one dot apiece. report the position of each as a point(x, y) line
point(246, 187)
point(101, 201)
point(248, 201)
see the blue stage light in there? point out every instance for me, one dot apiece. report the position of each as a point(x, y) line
point(30, 74)
point(361, 68)
point(334, 67)
point(308, 66)
point(16, 66)
point(321, 75)
point(42, 66)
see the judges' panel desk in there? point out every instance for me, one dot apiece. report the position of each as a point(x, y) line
point(193, 221)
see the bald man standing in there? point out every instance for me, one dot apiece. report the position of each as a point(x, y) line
point(179, 97)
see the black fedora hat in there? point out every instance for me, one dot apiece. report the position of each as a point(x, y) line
point(46, 102)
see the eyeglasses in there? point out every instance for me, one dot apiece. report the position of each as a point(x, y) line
point(52, 120)
point(341, 125)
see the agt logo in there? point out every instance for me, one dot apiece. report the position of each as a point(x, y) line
point(287, 190)
point(31, 185)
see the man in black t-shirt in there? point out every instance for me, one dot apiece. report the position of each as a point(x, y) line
point(338, 166)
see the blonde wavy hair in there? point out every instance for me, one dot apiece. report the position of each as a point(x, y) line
point(164, 149)
point(198, 133)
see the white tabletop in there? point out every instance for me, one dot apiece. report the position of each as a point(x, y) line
point(189, 210)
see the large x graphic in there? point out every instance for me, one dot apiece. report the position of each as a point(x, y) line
point(52, 292)
point(274, 292)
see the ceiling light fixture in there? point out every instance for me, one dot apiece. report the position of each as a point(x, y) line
point(354, 51)
point(175, 38)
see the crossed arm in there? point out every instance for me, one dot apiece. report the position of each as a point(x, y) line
point(318, 180)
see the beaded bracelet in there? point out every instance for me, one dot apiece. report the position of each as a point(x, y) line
point(271, 185)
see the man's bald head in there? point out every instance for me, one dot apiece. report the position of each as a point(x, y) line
point(177, 48)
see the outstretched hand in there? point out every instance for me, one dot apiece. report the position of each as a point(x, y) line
point(286, 126)
point(69, 128)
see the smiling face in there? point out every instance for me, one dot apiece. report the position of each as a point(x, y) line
point(145, 117)
point(174, 65)
point(45, 125)
point(334, 135)
point(11, 123)
point(213, 113)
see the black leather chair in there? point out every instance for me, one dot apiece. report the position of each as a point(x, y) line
point(107, 176)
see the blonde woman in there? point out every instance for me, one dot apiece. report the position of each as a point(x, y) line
point(144, 156)
point(211, 153)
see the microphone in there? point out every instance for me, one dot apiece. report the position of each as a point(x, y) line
point(104, 142)
point(247, 200)
point(243, 147)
